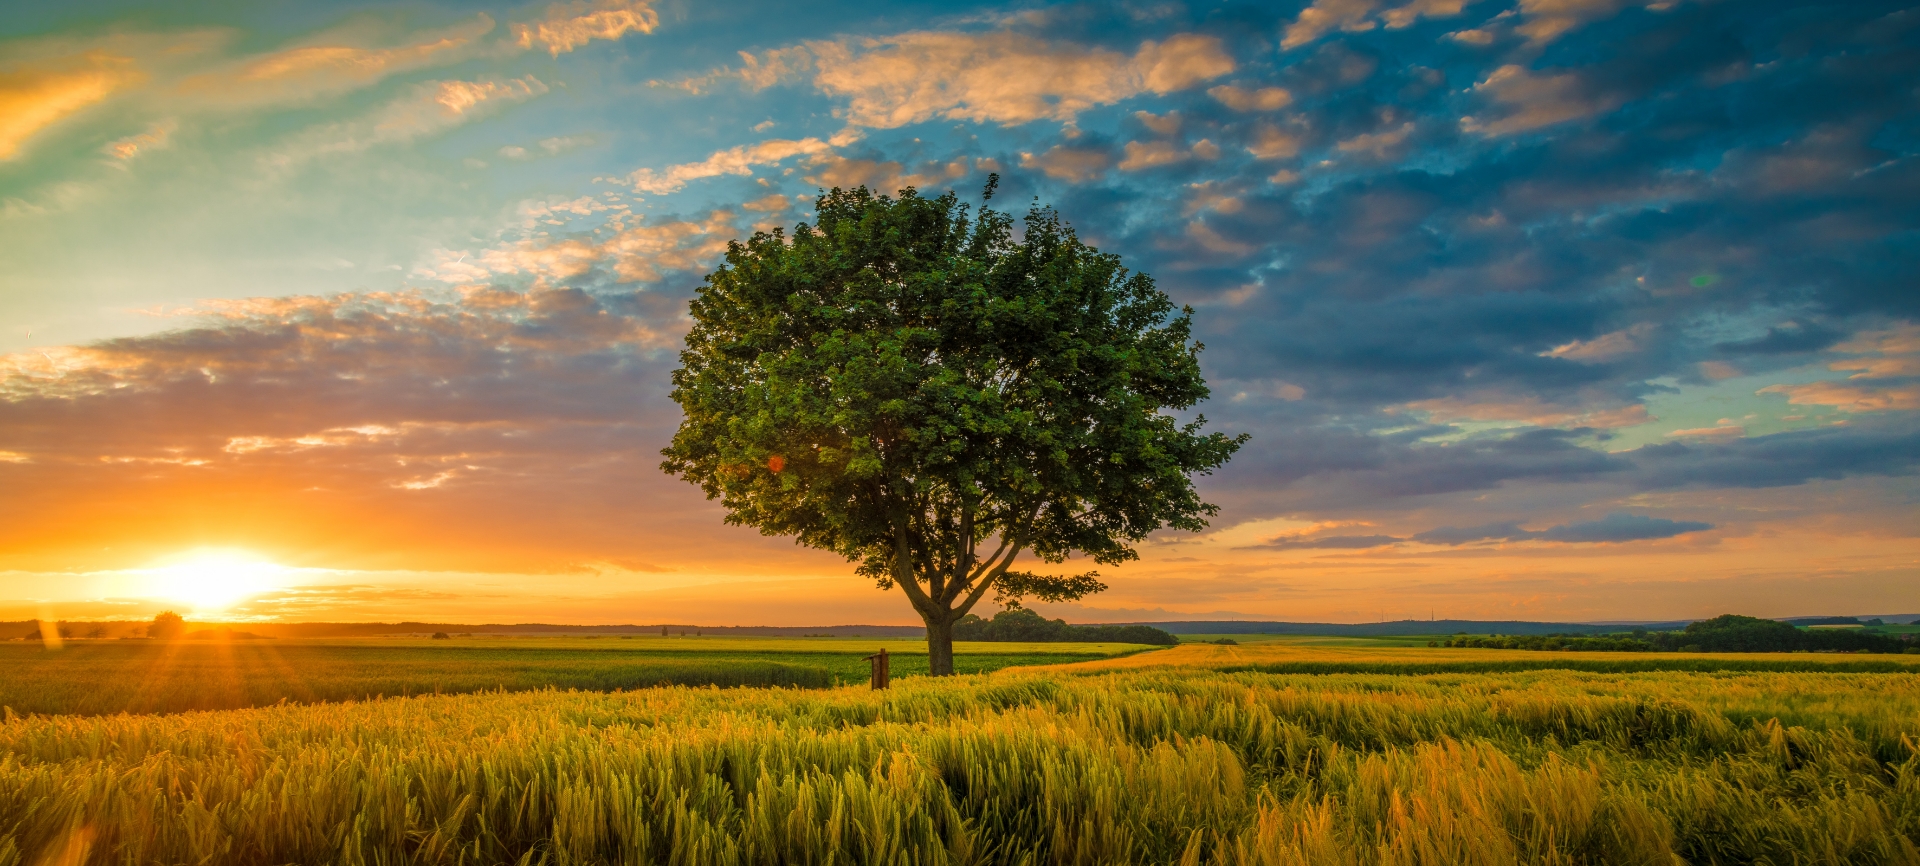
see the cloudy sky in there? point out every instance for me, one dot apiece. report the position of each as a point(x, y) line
point(1550, 309)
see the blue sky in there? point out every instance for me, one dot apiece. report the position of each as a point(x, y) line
point(1556, 308)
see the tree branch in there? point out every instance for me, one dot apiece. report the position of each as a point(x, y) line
point(1018, 541)
point(903, 564)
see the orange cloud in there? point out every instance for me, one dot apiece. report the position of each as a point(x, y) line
point(1003, 77)
point(1532, 101)
point(1889, 353)
point(1242, 99)
point(732, 161)
point(1603, 347)
point(154, 138)
point(636, 254)
point(33, 98)
point(1724, 431)
point(332, 64)
point(1849, 398)
point(1062, 162)
point(1353, 16)
point(883, 175)
point(571, 25)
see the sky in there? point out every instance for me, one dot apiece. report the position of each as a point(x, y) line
point(1548, 309)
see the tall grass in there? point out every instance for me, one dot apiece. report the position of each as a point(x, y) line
point(1142, 766)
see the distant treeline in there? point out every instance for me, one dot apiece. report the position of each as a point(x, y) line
point(1729, 633)
point(1019, 624)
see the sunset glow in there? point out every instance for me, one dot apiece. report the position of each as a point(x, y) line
point(1536, 310)
point(211, 582)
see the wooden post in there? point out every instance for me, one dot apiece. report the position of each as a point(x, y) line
point(880, 672)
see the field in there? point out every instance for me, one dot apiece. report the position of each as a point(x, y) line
point(1198, 754)
point(94, 677)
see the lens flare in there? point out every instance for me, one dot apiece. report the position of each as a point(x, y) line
point(214, 580)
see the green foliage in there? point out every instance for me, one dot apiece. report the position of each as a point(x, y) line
point(910, 387)
point(1020, 624)
point(1552, 642)
point(1153, 766)
point(166, 626)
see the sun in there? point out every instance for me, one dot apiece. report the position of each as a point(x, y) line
point(214, 580)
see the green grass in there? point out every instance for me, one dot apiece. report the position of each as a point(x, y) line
point(1143, 765)
point(94, 677)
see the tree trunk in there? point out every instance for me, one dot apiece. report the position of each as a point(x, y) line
point(939, 646)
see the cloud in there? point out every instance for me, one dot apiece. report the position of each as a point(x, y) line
point(1271, 142)
point(914, 77)
point(732, 161)
point(1527, 101)
point(756, 71)
point(383, 427)
point(1331, 542)
point(1778, 459)
point(426, 109)
point(571, 25)
point(1244, 99)
point(334, 63)
point(886, 176)
point(1142, 155)
point(1724, 431)
point(1457, 535)
point(640, 253)
point(1357, 16)
point(1604, 347)
point(1849, 398)
point(155, 138)
point(1615, 528)
point(1621, 527)
point(36, 96)
point(1531, 410)
point(1888, 353)
point(1547, 20)
point(1071, 164)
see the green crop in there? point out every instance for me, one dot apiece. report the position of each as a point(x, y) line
point(142, 676)
point(1135, 764)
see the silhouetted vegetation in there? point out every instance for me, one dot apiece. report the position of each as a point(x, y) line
point(1728, 633)
point(1020, 624)
point(166, 626)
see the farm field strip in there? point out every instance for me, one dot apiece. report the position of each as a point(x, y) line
point(1295, 656)
point(143, 676)
point(1140, 765)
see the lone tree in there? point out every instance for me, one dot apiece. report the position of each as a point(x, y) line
point(930, 397)
point(166, 626)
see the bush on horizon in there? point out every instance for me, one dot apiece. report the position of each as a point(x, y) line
point(1020, 624)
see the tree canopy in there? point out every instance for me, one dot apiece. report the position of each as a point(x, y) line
point(929, 395)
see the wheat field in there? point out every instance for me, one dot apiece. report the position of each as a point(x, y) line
point(1127, 761)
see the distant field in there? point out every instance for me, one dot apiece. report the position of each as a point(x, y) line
point(95, 677)
point(1383, 656)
